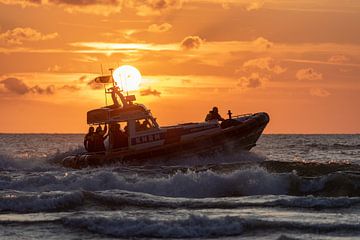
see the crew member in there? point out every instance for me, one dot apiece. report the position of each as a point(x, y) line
point(89, 141)
point(99, 137)
point(214, 115)
point(118, 138)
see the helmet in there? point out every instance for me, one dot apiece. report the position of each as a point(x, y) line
point(215, 109)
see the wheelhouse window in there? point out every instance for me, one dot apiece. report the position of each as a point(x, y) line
point(144, 124)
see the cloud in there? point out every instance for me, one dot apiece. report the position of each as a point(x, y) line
point(186, 81)
point(70, 88)
point(266, 63)
point(191, 42)
point(262, 44)
point(54, 68)
point(17, 86)
point(82, 78)
point(255, 5)
point(100, 7)
point(255, 80)
point(22, 3)
point(150, 92)
point(319, 92)
point(154, 7)
point(159, 28)
point(39, 90)
point(338, 59)
point(18, 36)
point(84, 2)
point(94, 85)
point(105, 7)
point(308, 74)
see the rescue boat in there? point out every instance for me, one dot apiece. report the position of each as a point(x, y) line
point(153, 142)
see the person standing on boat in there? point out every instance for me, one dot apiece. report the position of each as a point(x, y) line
point(99, 137)
point(214, 115)
point(89, 142)
point(119, 139)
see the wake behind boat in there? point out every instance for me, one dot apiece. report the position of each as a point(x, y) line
point(142, 139)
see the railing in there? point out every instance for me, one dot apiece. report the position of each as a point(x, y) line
point(243, 115)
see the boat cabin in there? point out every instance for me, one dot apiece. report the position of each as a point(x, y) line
point(130, 121)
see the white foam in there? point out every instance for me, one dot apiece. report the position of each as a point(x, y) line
point(36, 202)
point(189, 184)
point(190, 227)
point(120, 198)
point(197, 225)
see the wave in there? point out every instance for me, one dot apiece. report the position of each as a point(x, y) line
point(190, 225)
point(16, 201)
point(195, 226)
point(9, 163)
point(59, 156)
point(12, 163)
point(30, 202)
point(335, 146)
point(310, 168)
point(126, 198)
point(191, 184)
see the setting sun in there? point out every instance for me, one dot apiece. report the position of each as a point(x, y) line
point(127, 77)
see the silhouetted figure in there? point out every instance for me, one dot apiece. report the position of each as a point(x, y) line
point(214, 115)
point(89, 140)
point(99, 137)
point(100, 131)
point(119, 139)
point(145, 125)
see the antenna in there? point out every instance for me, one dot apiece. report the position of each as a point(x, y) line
point(111, 75)
point(105, 94)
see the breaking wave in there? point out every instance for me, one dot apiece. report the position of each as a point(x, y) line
point(194, 226)
point(35, 164)
point(38, 202)
point(334, 146)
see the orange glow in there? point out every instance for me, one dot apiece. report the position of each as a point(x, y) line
point(298, 62)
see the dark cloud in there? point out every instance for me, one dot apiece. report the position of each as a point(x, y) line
point(94, 85)
point(150, 92)
point(308, 74)
point(154, 7)
point(82, 78)
point(18, 36)
point(255, 80)
point(17, 86)
point(159, 4)
point(85, 2)
point(159, 28)
point(70, 88)
point(191, 42)
point(39, 90)
point(254, 83)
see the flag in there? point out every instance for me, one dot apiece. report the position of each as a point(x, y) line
point(103, 79)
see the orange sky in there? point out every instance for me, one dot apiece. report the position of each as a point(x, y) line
point(297, 60)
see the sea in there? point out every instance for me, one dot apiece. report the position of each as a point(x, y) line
point(287, 187)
